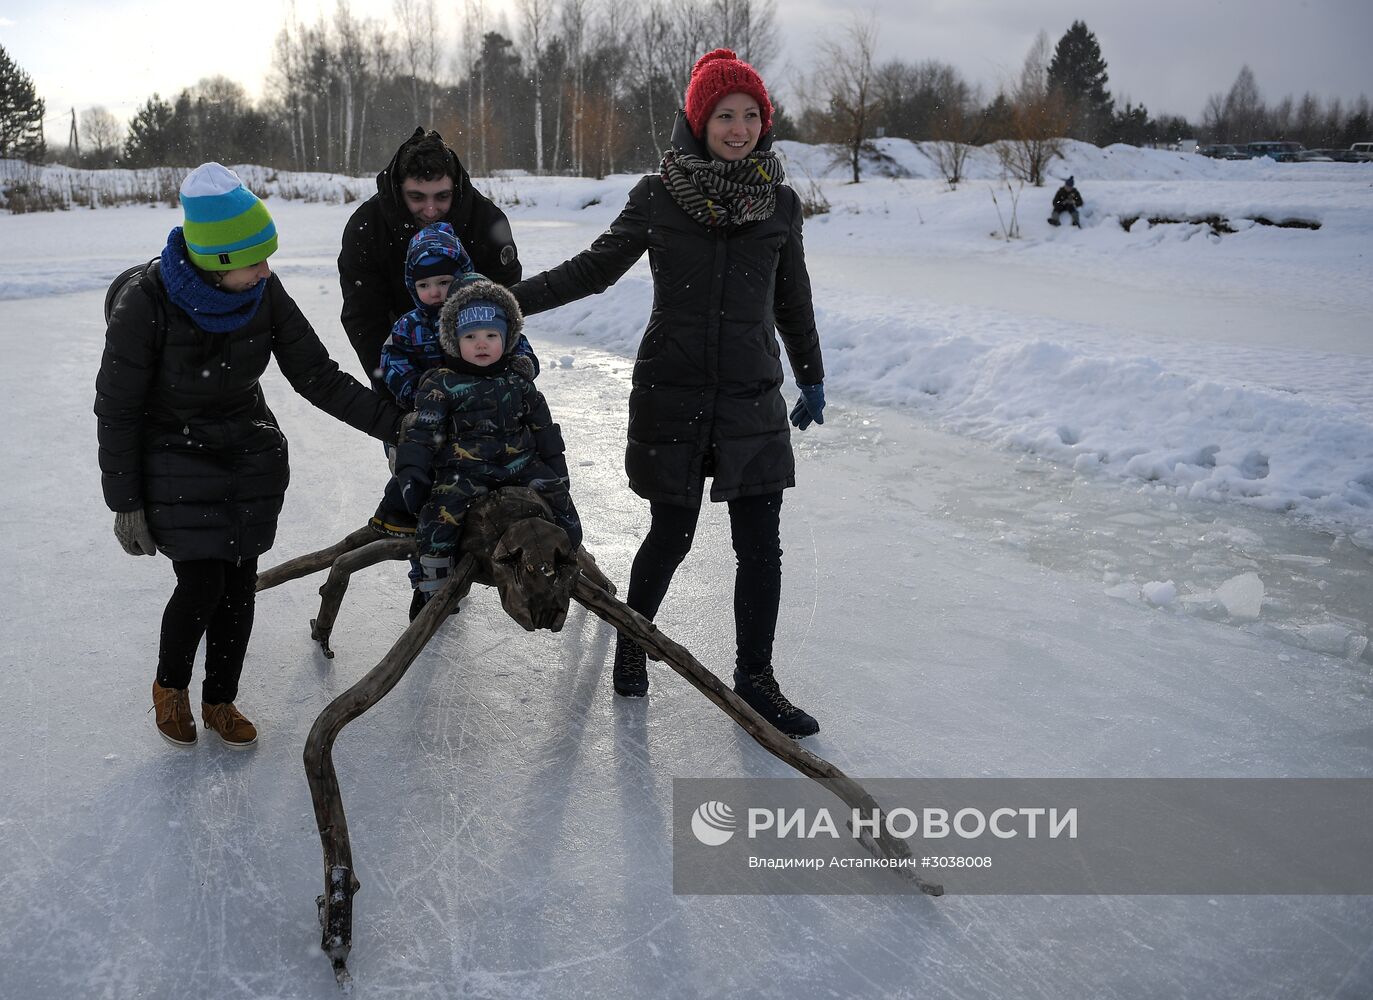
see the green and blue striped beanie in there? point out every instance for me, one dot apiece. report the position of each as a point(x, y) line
point(227, 226)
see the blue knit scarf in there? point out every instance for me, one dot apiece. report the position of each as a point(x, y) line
point(212, 309)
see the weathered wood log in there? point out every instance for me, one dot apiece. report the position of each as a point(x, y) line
point(313, 562)
point(509, 543)
point(340, 882)
point(332, 591)
point(635, 626)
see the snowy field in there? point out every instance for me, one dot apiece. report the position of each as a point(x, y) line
point(1091, 503)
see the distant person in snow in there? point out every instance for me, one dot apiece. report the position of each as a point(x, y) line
point(1066, 199)
point(723, 235)
point(481, 425)
point(192, 461)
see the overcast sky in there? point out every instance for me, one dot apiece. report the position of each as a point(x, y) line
point(1168, 54)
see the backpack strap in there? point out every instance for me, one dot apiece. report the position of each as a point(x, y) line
point(149, 286)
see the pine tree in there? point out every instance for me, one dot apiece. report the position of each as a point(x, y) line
point(21, 114)
point(149, 143)
point(1078, 72)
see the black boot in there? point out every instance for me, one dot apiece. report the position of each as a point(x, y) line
point(630, 676)
point(760, 691)
point(416, 604)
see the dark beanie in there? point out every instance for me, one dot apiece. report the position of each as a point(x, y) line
point(716, 75)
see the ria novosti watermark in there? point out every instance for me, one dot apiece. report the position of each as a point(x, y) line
point(1028, 836)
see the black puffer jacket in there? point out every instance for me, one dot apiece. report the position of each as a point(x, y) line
point(183, 427)
point(706, 399)
point(371, 264)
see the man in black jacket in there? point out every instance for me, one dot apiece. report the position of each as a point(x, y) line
point(424, 183)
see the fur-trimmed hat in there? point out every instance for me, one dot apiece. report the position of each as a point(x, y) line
point(227, 226)
point(466, 292)
point(716, 75)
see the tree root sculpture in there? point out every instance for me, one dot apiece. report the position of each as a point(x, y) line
point(511, 543)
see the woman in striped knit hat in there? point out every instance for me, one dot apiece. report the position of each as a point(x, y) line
point(723, 236)
point(192, 461)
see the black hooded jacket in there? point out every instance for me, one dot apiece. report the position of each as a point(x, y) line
point(706, 399)
point(371, 264)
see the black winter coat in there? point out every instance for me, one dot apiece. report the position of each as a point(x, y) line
point(706, 397)
point(1067, 198)
point(371, 264)
point(185, 432)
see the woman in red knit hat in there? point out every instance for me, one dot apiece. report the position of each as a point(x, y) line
point(723, 235)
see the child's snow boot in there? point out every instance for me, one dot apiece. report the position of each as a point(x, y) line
point(630, 674)
point(759, 690)
point(226, 720)
point(174, 719)
point(390, 521)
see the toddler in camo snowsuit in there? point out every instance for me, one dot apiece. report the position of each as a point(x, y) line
point(479, 426)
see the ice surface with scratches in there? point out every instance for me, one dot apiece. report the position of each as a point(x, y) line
point(1021, 437)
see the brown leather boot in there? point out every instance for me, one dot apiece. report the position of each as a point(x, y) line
point(226, 720)
point(174, 719)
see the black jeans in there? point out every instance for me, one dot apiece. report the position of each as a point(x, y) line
point(754, 524)
point(214, 599)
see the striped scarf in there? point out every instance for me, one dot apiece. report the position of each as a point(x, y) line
point(720, 193)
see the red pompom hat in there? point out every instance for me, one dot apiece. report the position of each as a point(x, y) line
point(716, 75)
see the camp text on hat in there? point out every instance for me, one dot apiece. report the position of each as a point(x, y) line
point(227, 226)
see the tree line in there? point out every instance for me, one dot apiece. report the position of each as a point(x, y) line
point(590, 87)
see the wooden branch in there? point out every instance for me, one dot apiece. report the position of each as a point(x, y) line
point(333, 589)
point(340, 882)
point(635, 626)
point(587, 563)
point(313, 562)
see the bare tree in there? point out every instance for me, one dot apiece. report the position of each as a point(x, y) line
point(102, 133)
point(648, 58)
point(845, 84)
point(955, 132)
point(535, 21)
point(690, 33)
point(380, 65)
point(473, 30)
point(420, 47)
point(613, 25)
point(1039, 119)
point(575, 16)
point(749, 27)
point(1213, 119)
point(1243, 107)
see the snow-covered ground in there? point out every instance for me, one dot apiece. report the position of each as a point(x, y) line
point(1087, 503)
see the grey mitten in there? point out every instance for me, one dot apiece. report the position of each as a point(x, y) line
point(522, 364)
point(131, 528)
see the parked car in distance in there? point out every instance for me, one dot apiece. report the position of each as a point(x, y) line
point(1363, 149)
point(1223, 151)
point(1283, 152)
point(1313, 155)
point(1344, 155)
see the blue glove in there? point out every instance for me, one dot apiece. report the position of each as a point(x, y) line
point(414, 487)
point(809, 407)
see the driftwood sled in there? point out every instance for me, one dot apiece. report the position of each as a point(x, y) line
point(509, 542)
